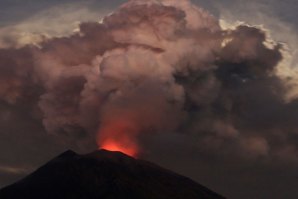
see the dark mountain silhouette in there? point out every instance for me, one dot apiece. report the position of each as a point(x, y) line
point(104, 175)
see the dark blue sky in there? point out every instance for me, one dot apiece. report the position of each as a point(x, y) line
point(271, 13)
point(15, 10)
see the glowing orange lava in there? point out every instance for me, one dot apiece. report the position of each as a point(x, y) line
point(112, 145)
point(119, 135)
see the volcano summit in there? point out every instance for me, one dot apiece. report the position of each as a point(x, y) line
point(104, 175)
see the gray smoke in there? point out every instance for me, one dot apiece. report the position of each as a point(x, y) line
point(156, 67)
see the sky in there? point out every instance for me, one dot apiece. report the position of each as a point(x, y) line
point(215, 98)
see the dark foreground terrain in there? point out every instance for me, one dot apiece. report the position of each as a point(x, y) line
point(104, 175)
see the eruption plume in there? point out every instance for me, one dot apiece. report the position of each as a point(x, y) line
point(156, 67)
point(119, 135)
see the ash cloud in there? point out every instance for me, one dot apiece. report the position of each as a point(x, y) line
point(157, 67)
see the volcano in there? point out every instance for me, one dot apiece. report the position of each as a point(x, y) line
point(104, 175)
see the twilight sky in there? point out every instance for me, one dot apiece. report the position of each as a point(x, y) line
point(223, 104)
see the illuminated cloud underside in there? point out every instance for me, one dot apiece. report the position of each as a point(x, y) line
point(159, 67)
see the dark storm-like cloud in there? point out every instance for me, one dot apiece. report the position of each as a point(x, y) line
point(162, 67)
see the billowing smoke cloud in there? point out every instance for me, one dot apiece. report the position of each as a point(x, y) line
point(157, 67)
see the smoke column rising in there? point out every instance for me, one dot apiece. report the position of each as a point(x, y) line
point(156, 67)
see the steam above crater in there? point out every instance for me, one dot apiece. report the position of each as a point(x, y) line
point(154, 67)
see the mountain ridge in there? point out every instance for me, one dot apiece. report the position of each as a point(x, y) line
point(104, 175)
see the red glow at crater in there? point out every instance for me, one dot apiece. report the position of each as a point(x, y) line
point(112, 145)
point(119, 135)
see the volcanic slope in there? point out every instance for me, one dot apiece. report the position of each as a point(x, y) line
point(104, 175)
